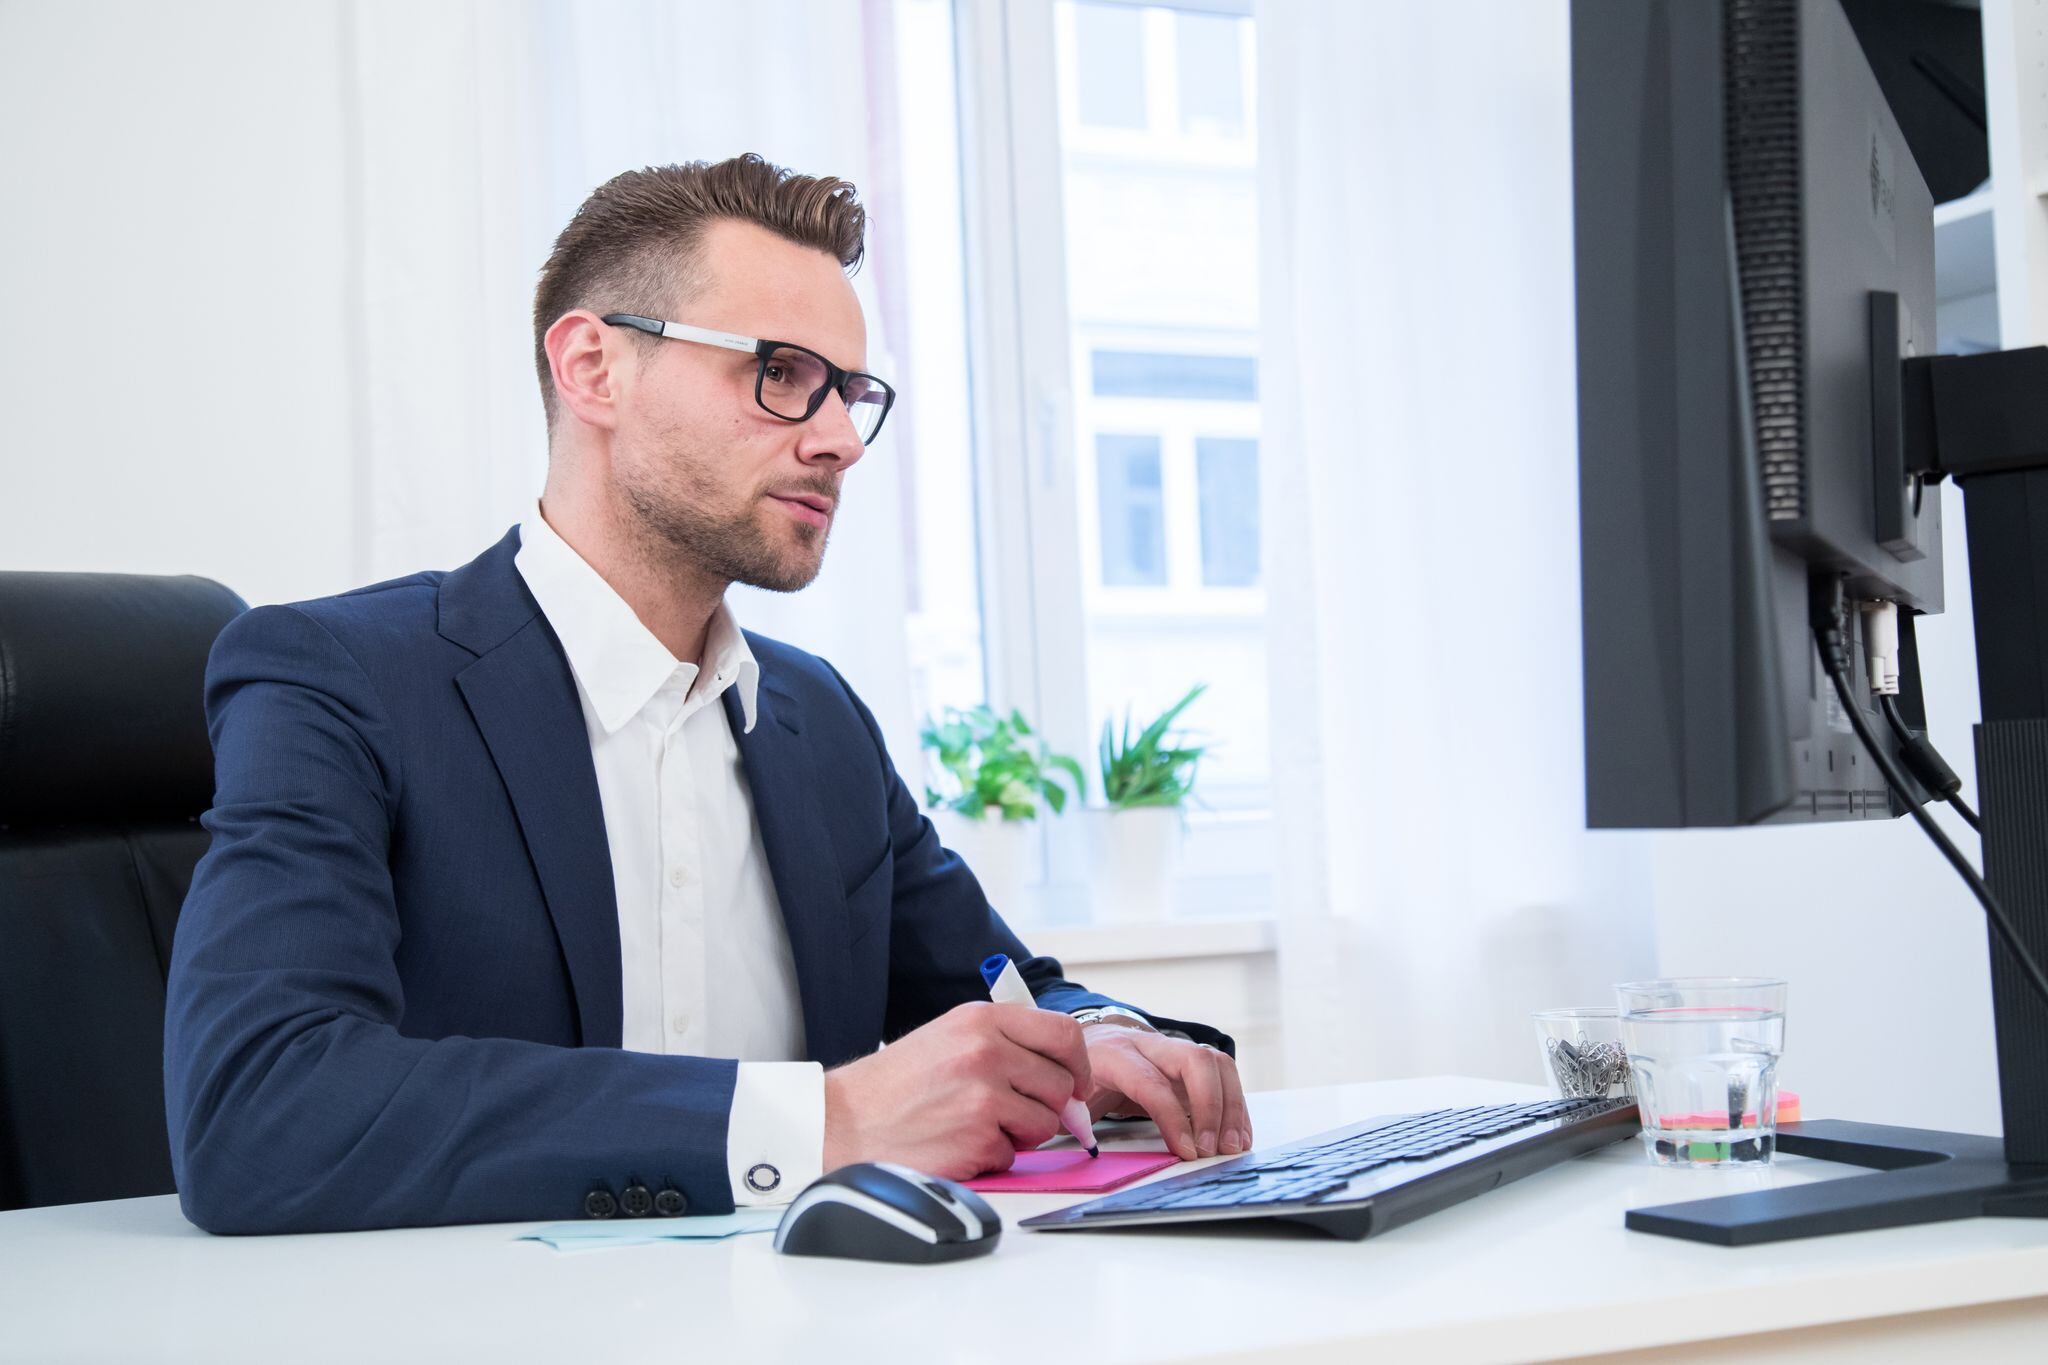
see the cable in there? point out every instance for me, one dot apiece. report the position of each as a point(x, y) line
point(1824, 614)
point(1927, 763)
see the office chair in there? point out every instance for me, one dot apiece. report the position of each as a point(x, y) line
point(105, 769)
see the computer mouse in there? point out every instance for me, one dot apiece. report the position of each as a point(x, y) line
point(879, 1211)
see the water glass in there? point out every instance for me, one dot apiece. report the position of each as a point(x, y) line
point(1704, 1052)
point(1582, 1052)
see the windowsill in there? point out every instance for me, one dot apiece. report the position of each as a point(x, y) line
point(1155, 940)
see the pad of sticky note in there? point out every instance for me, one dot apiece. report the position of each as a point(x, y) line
point(1069, 1170)
point(589, 1234)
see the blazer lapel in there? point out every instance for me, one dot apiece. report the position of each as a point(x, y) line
point(783, 781)
point(523, 699)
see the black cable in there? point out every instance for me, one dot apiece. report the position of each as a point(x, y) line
point(1825, 615)
point(1927, 763)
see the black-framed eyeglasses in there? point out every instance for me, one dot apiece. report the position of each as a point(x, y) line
point(790, 381)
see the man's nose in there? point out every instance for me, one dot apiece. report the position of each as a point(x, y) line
point(831, 433)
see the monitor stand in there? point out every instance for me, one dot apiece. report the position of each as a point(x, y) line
point(1982, 419)
point(1917, 1177)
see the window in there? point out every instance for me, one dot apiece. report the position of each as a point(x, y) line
point(1105, 553)
point(1133, 514)
point(1227, 474)
point(1110, 73)
point(1210, 64)
point(1135, 374)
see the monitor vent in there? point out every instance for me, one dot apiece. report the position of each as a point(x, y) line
point(1762, 129)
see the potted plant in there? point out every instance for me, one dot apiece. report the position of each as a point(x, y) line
point(1146, 782)
point(992, 774)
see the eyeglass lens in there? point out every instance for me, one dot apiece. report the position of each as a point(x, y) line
point(791, 378)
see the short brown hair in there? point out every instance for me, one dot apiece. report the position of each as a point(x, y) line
point(638, 237)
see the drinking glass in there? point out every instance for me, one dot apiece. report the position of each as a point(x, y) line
point(1582, 1052)
point(1704, 1052)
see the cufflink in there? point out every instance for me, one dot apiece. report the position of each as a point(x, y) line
point(599, 1203)
point(669, 1203)
point(637, 1201)
point(762, 1178)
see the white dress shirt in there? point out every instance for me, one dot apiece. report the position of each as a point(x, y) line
point(704, 957)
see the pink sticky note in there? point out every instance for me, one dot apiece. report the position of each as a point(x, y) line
point(1069, 1169)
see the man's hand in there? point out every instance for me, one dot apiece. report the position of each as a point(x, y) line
point(960, 1096)
point(1192, 1092)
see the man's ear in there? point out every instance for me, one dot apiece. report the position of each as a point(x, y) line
point(590, 364)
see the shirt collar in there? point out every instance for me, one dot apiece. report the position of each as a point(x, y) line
point(617, 661)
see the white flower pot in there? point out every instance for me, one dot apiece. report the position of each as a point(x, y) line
point(998, 852)
point(1134, 855)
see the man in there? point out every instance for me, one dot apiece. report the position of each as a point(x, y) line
point(539, 886)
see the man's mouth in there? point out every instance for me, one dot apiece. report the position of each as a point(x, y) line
point(812, 508)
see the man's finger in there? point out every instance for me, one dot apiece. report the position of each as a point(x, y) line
point(1195, 1069)
point(1037, 1076)
point(1026, 1122)
point(1048, 1033)
point(1237, 1115)
point(1145, 1086)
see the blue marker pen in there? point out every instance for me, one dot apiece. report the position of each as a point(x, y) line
point(1006, 987)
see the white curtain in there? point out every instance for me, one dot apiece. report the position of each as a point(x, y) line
point(481, 127)
point(1435, 876)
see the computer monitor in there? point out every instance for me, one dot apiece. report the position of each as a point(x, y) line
point(1741, 192)
point(1759, 429)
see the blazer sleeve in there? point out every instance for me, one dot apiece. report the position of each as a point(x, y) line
point(943, 927)
point(293, 1101)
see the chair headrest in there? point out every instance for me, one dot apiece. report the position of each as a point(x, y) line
point(102, 714)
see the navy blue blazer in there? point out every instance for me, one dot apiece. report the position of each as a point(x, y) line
point(394, 994)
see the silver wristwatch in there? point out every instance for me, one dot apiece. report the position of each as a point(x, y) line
point(1097, 1013)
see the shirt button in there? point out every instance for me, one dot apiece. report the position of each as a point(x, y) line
point(676, 877)
point(680, 1023)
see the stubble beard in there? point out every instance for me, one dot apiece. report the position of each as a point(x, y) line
point(675, 524)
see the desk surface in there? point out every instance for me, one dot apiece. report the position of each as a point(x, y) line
point(1539, 1268)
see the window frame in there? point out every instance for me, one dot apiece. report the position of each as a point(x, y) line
point(1039, 544)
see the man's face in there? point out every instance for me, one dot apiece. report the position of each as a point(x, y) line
point(734, 491)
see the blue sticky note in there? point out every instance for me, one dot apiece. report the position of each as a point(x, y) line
point(589, 1234)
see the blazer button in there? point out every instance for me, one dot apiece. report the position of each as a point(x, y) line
point(599, 1203)
point(669, 1203)
point(637, 1201)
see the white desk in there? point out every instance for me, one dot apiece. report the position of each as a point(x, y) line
point(1537, 1269)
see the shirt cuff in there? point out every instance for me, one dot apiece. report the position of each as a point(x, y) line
point(775, 1135)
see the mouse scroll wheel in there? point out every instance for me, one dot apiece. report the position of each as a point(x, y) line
point(941, 1192)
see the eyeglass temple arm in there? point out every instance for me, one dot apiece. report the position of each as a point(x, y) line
point(683, 331)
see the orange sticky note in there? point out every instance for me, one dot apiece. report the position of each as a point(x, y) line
point(1068, 1170)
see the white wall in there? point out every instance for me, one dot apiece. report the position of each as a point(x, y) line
point(176, 365)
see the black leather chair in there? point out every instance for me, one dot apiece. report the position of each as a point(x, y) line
point(105, 769)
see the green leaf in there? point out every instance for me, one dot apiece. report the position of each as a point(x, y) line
point(980, 759)
point(1149, 770)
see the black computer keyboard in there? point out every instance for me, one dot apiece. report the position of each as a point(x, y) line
point(1358, 1181)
